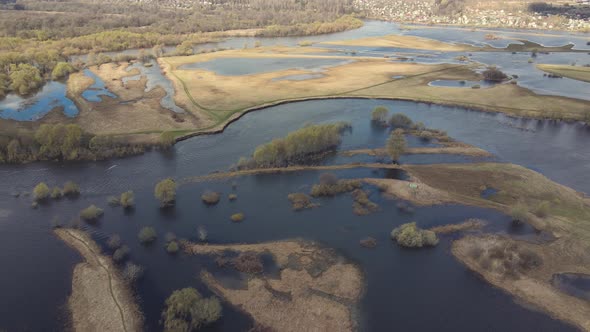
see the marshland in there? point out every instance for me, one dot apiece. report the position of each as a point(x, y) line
point(255, 181)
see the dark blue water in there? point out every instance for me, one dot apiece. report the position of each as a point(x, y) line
point(416, 290)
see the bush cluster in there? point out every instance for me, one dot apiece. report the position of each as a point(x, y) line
point(210, 197)
point(188, 310)
point(91, 213)
point(299, 145)
point(147, 235)
point(165, 192)
point(300, 201)
point(409, 235)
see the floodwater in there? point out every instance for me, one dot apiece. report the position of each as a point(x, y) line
point(434, 283)
point(409, 290)
point(248, 66)
point(51, 96)
point(155, 78)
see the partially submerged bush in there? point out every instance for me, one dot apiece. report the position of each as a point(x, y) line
point(172, 247)
point(71, 189)
point(232, 197)
point(400, 120)
point(188, 310)
point(362, 205)
point(127, 199)
point(409, 235)
point(300, 201)
point(396, 144)
point(248, 262)
point(210, 197)
point(469, 224)
point(330, 186)
point(237, 217)
point(202, 233)
point(113, 201)
point(379, 115)
point(56, 193)
point(165, 192)
point(132, 272)
point(91, 213)
point(41, 192)
point(114, 241)
point(147, 235)
point(121, 254)
point(493, 74)
point(368, 242)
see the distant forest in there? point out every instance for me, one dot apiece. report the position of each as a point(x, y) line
point(62, 19)
point(576, 12)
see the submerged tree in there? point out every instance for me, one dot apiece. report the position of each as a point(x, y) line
point(165, 192)
point(396, 144)
point(379, 115)
point(41, 192)
point(187, 310)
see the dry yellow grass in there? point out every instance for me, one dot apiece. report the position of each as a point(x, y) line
point(100, 300)
point(315, 292)
point(134, 111)
point(534, 287)
point(574, 72)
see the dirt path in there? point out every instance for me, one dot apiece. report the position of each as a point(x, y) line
point(100, 300)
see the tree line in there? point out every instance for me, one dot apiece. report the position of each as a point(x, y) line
point(297, 146)
point(65, 142)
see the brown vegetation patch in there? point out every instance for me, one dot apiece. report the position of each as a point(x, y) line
point(316, 291)
point(100, 300)
point(248, 262)
point(300, 201)
point(515, 266)
point(470, 224)
point(415, 192)
point(362, 205)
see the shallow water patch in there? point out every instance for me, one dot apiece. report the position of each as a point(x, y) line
point(462, 84)
point(248, 66)
point(95, 92)
point(574, 284)
point(32, 108)
point(155, 78)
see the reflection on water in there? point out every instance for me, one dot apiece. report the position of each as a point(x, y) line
point(51, 96)
point(248, 66)
point(155, 78)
